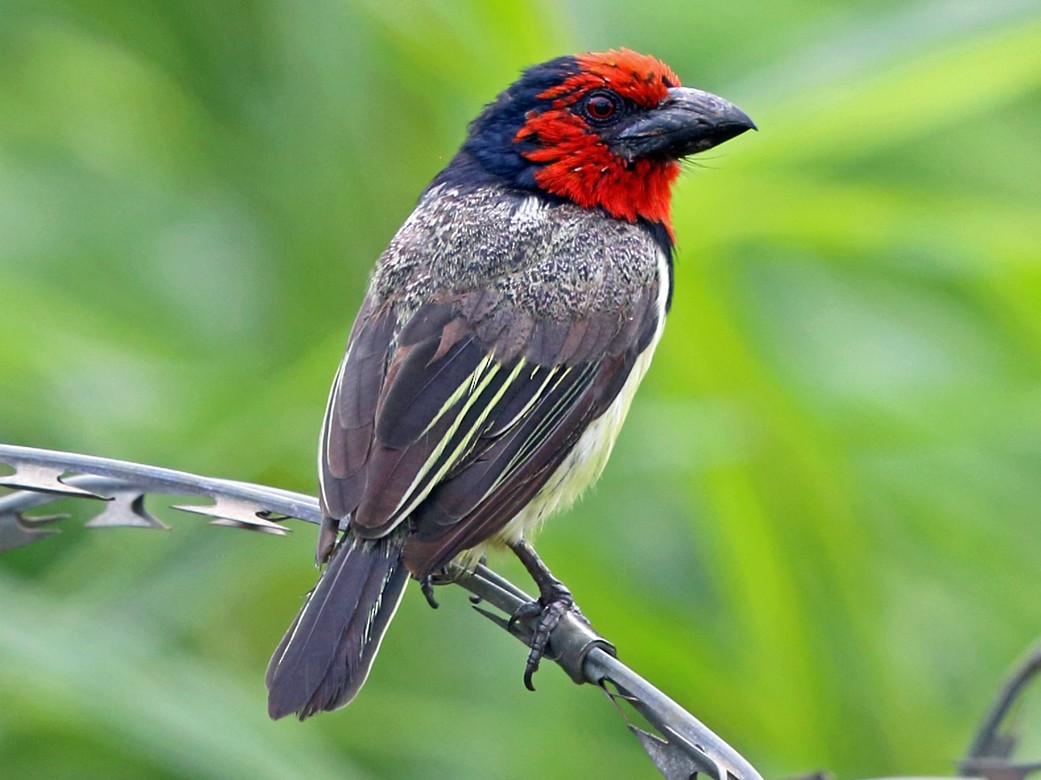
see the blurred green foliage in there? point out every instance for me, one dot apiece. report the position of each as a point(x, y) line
point(821, 528)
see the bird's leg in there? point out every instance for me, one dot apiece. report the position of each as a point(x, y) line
point(554, 601)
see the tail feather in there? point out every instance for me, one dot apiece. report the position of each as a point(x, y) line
point(325, 656)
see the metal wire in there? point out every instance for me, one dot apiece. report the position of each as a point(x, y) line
point(682, 748)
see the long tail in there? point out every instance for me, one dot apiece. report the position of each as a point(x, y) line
point(325, 656)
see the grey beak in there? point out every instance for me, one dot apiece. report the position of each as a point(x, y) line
point(686, 122)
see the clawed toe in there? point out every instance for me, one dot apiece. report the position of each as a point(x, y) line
point(528, 611)
point(426, 584)
point(551, 606)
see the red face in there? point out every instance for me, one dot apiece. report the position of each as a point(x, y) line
point(572, 137)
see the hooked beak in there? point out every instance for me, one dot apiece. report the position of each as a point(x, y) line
point(686, 122)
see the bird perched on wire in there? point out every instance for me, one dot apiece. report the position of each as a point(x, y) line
point(504, 332)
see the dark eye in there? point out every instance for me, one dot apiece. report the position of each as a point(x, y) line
point(602, 106)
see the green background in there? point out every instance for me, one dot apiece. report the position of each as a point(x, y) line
point(821, 527)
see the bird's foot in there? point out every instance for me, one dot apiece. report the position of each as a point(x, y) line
point(444, 576)
point(426, 584)
point(553, 603)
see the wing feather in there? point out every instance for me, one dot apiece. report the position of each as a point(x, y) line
point(454, 418)
point(464, 512)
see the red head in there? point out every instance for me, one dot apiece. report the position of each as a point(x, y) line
point(601, 130)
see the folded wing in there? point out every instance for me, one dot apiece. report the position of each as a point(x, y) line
point(451, 420)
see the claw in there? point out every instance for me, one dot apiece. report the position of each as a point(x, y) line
point(426, 584)
point(527, 611)
point(555, 602)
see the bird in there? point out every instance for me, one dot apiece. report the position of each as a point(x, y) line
point(497, 350)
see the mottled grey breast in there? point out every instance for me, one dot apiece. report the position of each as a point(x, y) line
point(547, 260)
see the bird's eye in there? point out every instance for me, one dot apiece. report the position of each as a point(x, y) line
point(601, 106)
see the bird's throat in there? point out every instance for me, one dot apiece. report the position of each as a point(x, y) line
point(578, 165)
point(628, 194)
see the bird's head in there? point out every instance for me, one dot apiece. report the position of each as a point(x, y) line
point(601, 130)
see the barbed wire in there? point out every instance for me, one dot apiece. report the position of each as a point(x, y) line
point(682, 747)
